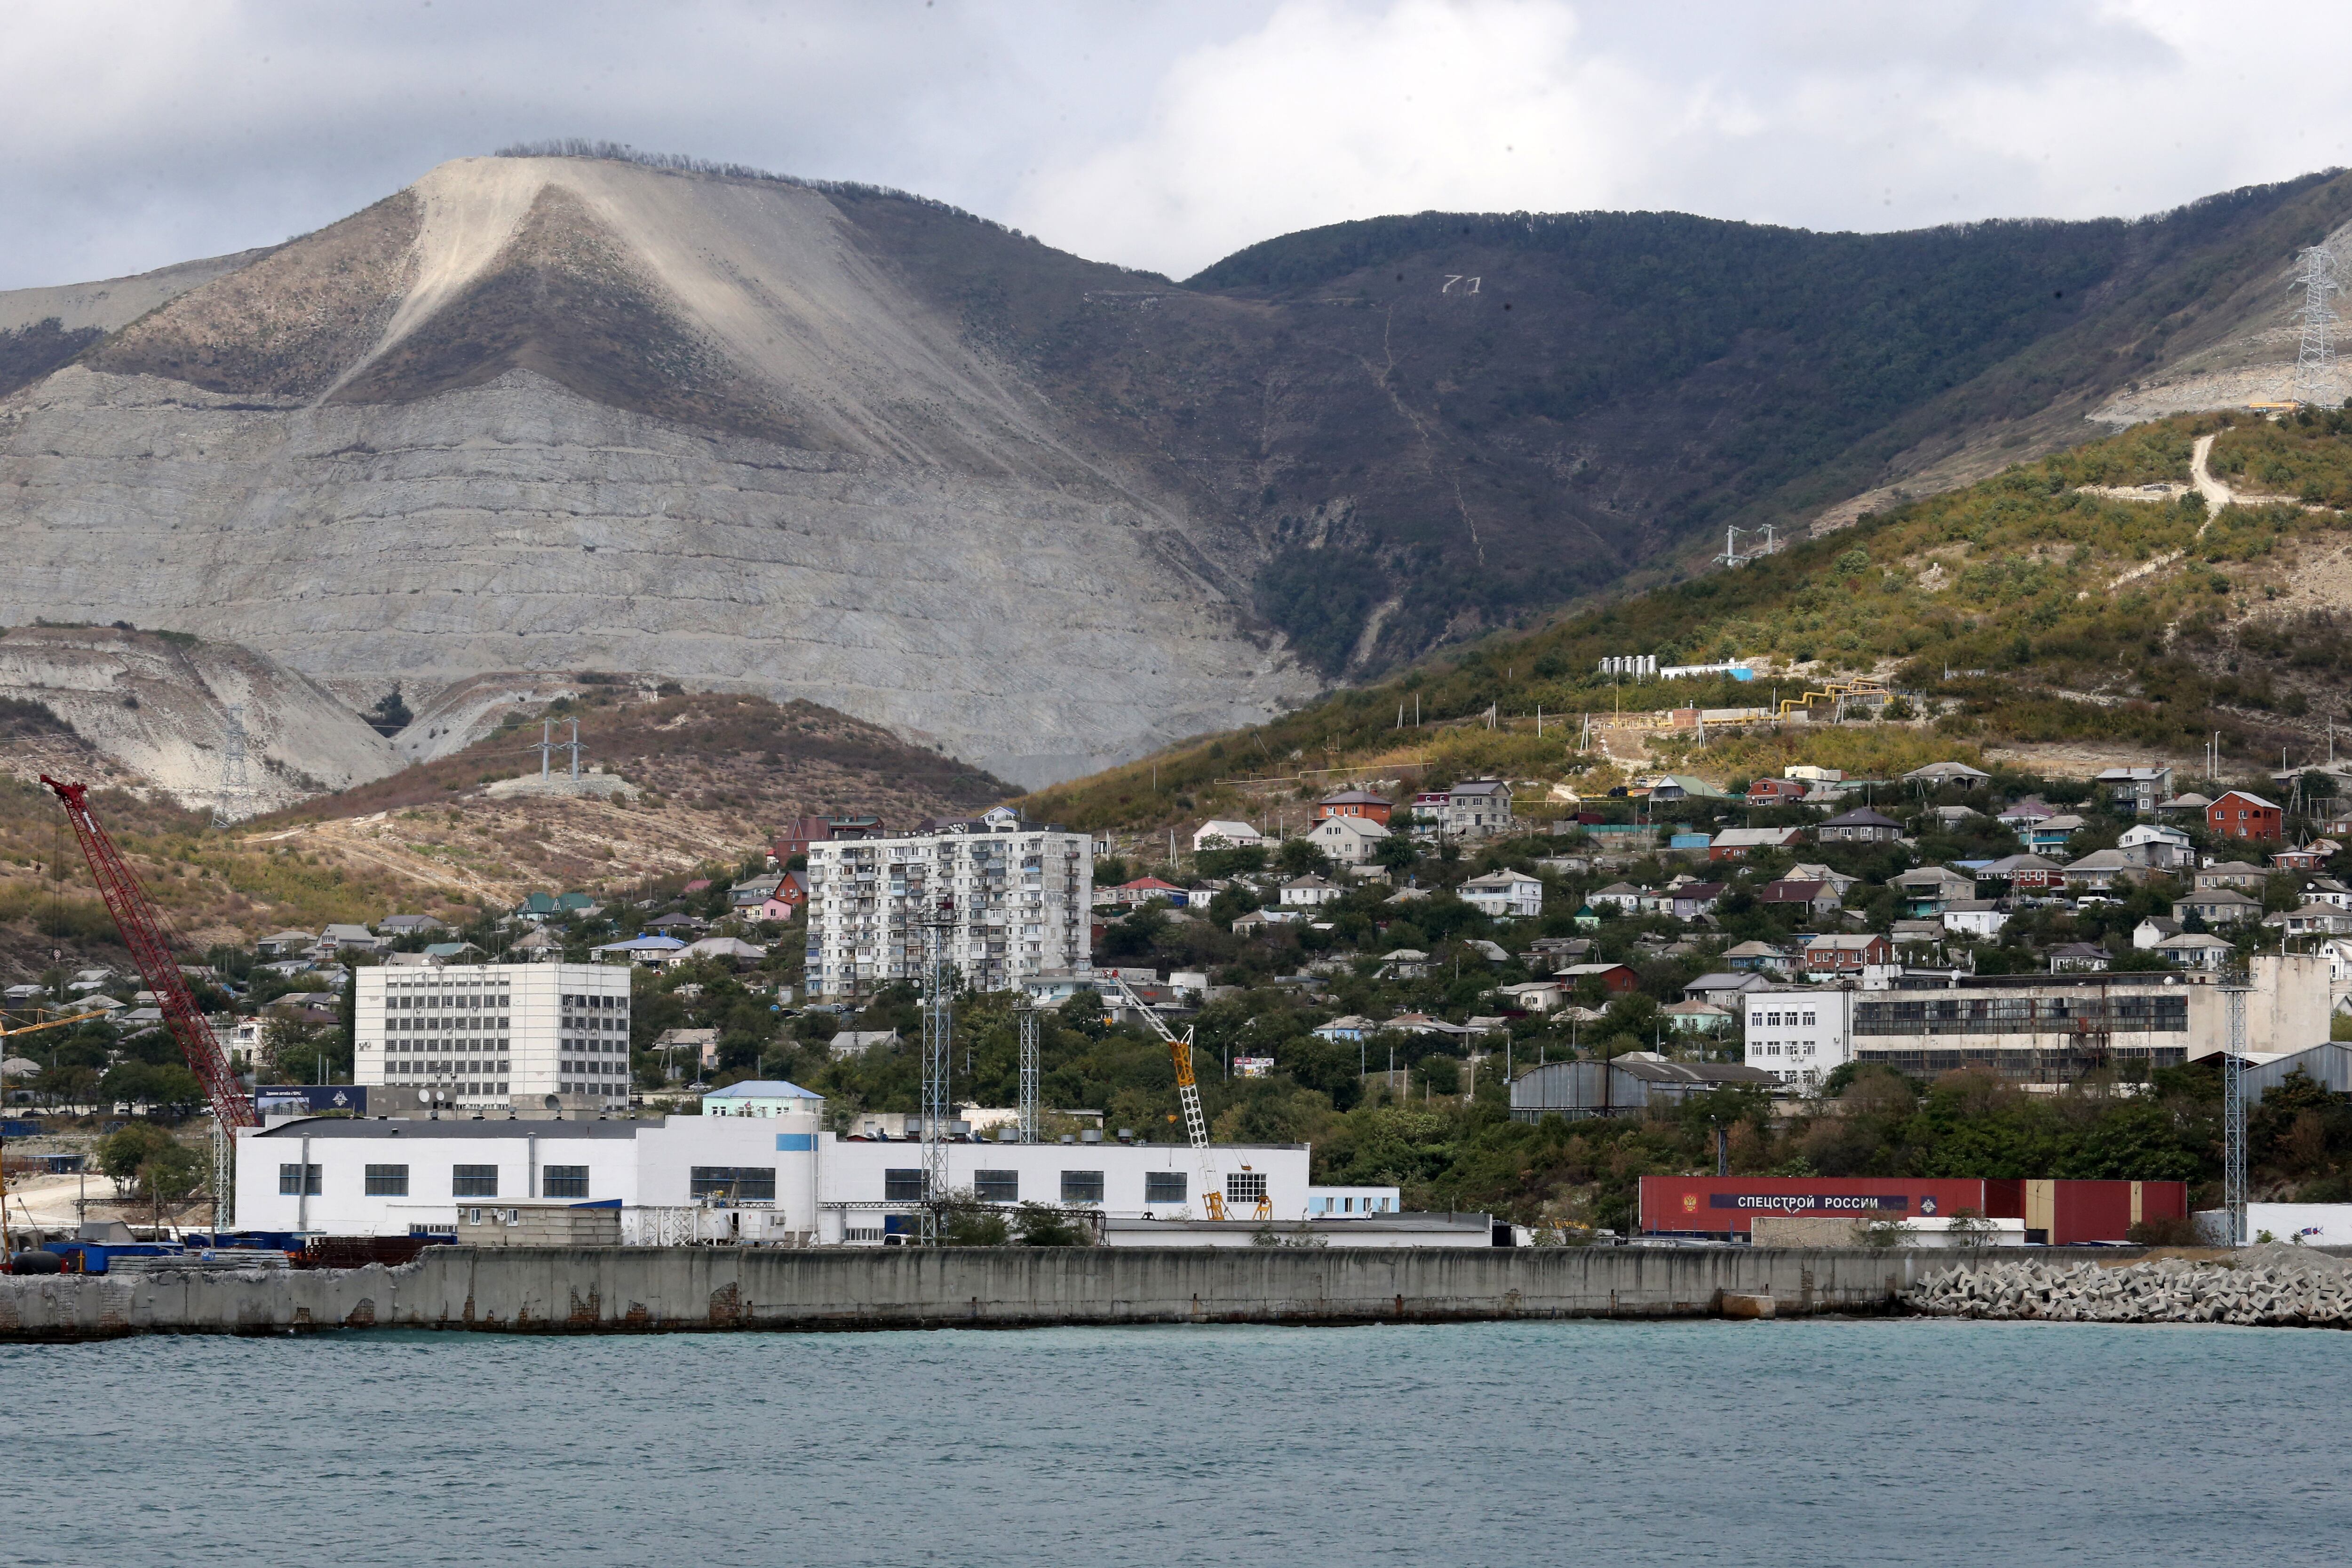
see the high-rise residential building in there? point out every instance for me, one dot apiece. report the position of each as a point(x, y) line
point(1010, 901)
point(489, 1034)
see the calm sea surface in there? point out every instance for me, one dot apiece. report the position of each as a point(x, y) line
point(1802, 1442)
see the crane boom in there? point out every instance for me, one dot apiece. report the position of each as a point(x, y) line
point(1188, 1095)
point(148, 937)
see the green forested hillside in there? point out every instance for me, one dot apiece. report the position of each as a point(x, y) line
point(2025, 608)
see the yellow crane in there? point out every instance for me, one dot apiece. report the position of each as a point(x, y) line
point(8, 1242)
point(1188, 1095)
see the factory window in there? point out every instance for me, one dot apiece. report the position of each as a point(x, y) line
point(564, 1182)
point(996, 1186)
point(1082, 1186)
point(734, 1183)
point(1244, 1186)
point(290, 1182)
point(387, 1181)
point(1163, 1186)
point(902, 1186)
point(473, 1181)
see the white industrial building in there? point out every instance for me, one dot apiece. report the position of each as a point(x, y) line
point(486, 1034)
point(773, 1179)
point(1014, 902)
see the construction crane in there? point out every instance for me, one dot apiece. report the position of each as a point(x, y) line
point(150, 938)
point(1188, 1095)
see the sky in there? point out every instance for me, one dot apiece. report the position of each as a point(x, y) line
point(1162, 136)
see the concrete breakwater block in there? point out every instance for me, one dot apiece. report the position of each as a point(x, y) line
point(1735, 1304)
point(2273, 1287)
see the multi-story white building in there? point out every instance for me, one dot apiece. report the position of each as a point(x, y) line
point(1800, 1033)
point(489, 1033)
point(1014, 902)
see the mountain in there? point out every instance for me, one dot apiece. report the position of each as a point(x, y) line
point(2119, 604)
point(551, 414)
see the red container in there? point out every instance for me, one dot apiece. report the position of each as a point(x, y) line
point(1728, 1206)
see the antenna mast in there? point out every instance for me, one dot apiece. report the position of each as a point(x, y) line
point(1025, 1011)
point(2315, 355)
point(2233, 1115)
point(939, 1026)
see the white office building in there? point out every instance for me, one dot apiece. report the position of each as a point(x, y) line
point(1799, 1034)
point(1014, 902)
point(771, 1180)
point(488, 1034)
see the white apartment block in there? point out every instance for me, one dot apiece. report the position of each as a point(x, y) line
point(1015, 902)
point(489, 1033)
point(1800, 1033)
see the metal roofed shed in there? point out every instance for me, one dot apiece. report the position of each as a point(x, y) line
point(1630, 1085)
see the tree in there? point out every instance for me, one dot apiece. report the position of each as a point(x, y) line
point(1043, 1224)
point(157, 1166)
point(1301, 857)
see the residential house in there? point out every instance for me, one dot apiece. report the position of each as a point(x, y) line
point(348, 939)
point(1847, 954)
point(2021, 814)
point(1312, 891)
point(752, 891)
point(1916, 933)
point(2142, 790)
point(1223, 833)
point(785, 903)
point(1695, 1017)
point(2050, 835)
point(1937, 775)
point(398, 926)
point(1621, 896)
point(1351, 1029)
point(286, 944)
point(1974, 917)
point(2183, 806)
point(1723, 987)
point(648, 949)
point(2154, 929)
point(2195, 950)
point(729, 949)
point(2099, 871)
point(1804, 772)
point(441, 952)
point(2025, 873)
point(2152, 845)
point(2304, 858)
point(1691, 899)
point(541, 943)
point(2217, 907)
point(1926, 891)
point(1545, 951)
point(1144, 890)
point(1861, 826)
point(1357, 803)
point(1533, 995)
point(1672, 787)
point(1775, 792)
point(1586, 918)
point(1818, 900)
point(1258, 920)
point(2078, 958)
point(2240, 814)
point(1616, 979)
point(1475, 808)
point(1512, 894)
point(2328, 890)
point(2314, 920)
point(1839, 882)
point(1738, 843)
point(1403, 964)
point(1347, 840)
point(2242, 875)
point(698, 1047)
point(1759, 958)
point(1952, 818)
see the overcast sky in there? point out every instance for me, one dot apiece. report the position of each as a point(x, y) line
point(139, 132)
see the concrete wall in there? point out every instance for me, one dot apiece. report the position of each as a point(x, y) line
point(639, 1288)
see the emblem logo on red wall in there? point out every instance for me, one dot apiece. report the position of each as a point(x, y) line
point(1690, 1203)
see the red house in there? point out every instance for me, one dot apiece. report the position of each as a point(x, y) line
point(1847, 954)
point(1355, 803)
point(1616, 979)
point(2238, 814)
point(1776, 791)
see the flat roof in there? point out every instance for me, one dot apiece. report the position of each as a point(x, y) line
point(453, 1127)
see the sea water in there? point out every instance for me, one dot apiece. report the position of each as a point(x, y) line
point(1608, 1443)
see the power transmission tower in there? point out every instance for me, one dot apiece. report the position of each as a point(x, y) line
point(574, 744)
point(2233, 1115)
point(2315, 355)
point(1026, 1011)
point(939, 1026)
point(236, 788)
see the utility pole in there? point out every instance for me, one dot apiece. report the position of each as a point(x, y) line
point(546, 746)
point(575, 750)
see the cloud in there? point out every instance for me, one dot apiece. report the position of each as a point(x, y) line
point(143, 132)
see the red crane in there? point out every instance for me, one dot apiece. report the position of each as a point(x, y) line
point(148, 937)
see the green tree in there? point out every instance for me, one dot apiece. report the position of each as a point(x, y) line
point(156, 1166)
point(1043, 1224)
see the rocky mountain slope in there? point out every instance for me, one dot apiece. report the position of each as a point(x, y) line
point(541, 415)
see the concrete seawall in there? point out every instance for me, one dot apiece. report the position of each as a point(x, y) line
point(627, 1290)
